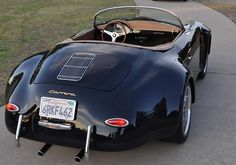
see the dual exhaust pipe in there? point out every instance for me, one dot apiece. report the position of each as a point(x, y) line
point(47, 146)
point(80, 155)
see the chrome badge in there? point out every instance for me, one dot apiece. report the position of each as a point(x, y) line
point(61, 93)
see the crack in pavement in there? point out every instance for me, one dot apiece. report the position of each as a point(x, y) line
point(218, 73)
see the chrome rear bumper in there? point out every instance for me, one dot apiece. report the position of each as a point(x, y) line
point(64, 126)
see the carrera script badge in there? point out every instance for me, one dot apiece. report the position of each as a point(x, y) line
point(61, 93)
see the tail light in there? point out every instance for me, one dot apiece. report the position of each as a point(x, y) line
point(12, 107)
point(117, 122)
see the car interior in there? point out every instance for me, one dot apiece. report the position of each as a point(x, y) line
point(139, 32)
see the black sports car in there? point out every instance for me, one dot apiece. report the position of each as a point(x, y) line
point(129, 79)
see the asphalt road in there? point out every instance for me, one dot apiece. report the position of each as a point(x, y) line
point(212, 140)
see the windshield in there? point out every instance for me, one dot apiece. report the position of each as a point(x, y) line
point(136, 13)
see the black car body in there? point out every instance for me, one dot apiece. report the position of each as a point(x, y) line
point(126, 91)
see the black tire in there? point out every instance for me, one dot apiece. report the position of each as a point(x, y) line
point(204, 68)
point(182, 132)
point(204, 60)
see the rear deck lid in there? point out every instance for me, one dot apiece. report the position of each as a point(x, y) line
point(83, 69)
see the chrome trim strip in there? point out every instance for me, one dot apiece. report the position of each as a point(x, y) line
point(57, 126)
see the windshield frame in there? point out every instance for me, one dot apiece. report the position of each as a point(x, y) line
point(141, 7)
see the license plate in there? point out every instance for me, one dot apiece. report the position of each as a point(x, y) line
point(57, 108)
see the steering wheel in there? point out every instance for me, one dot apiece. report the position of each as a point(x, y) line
point(115, 29)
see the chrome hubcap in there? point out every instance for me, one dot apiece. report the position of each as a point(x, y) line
point(186, 110)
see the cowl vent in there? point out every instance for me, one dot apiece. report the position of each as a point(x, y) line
point(76, 66)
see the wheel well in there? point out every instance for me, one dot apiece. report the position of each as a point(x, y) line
point(192, 85)
point(207, 40)
point(203, 52)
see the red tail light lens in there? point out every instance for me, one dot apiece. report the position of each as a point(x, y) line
point(117, 122)
point(11, 107)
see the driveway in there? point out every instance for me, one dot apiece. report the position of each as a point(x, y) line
point(212, 140)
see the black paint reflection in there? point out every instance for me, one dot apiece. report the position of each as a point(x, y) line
point(145, 122)
point(158, 112)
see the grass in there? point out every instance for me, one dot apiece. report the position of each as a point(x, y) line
point(28, 27)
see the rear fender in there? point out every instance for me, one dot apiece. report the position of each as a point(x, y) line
point(189, 80)
point(19, 80)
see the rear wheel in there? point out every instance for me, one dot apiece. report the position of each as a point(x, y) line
point(203, 71)
point(182, 132)
point(203, 59)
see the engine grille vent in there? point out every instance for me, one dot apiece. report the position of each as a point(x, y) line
point(76, 66)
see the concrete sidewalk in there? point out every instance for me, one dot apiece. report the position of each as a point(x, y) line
point(227, 7)
point(222, 1)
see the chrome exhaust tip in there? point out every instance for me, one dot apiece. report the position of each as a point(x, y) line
point(79, 156)
point(40, 153)
point(77, 159)
point(44, 149)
